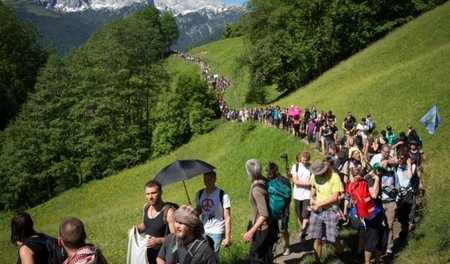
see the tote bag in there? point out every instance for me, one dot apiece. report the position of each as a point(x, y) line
point(137, 249)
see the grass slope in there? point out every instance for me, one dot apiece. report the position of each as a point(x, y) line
point(397, 79)
point(111, 206)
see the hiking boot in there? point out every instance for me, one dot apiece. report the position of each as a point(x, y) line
point(287, 251)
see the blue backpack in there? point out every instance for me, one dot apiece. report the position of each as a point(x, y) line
point(279, 195)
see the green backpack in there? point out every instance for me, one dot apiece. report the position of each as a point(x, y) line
point(279, 195)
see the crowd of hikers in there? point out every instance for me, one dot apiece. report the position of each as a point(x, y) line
point(367, 180)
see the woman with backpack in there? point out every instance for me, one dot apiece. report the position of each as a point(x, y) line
point(32, 245)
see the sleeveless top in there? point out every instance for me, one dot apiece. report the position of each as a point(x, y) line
point(155, 226)
point(39, 248)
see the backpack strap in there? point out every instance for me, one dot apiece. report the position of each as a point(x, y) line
point(192, 250)
point(264, 187)
point(221, 195)
point(165, 209)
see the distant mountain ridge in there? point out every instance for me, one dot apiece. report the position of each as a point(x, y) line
point(175, 6)
point(83, 5)
point(69, 23)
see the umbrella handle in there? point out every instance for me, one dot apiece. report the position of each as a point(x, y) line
point(187, 194)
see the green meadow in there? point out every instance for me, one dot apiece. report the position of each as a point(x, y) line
point(398, 79)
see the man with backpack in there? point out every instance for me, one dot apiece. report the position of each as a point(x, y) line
point(72, 236)
point(262, 230)
point(325, 189)
point(157, 220)
point(214, 205)
point(189, 244)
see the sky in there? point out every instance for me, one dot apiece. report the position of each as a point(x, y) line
point(234, 1)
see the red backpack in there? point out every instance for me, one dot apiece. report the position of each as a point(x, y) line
point(359, 191)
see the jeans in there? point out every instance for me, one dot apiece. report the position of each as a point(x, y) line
point(412, 213)
point(217, 238)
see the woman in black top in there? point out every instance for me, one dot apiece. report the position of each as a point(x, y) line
point(31, 249)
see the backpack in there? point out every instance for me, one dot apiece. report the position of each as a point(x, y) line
point(192, 250)
point(56, 253)
point(359, 192)
point(371, 124)
point(279, 193)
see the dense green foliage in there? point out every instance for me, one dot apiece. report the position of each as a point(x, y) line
point(181, 113)
point(233, 30)
point(291, 43)
point(92, 112)
point(21, 57)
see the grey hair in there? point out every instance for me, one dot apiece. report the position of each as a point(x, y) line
point(253, 168)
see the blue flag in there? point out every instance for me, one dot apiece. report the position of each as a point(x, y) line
point(431, 120)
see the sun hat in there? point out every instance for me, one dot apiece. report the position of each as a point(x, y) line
point(319, 167)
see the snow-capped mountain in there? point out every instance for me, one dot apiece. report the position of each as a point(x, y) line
point(70, 23)
point(83, 5)
point(184, 7)
point(175, 6)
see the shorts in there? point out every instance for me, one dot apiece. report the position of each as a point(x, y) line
point(377, 232)
point(301, 208)
point(325, 219)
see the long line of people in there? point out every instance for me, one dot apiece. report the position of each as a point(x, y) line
point(392, 165)
point(390, 168)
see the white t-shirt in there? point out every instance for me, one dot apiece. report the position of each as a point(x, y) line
point(301, 192)
point(364, 128)
point(212, 210)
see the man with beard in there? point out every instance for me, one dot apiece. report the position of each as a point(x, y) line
point(157, 220)
point(325, 189)
point(189, 243)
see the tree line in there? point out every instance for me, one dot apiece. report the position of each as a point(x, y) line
point(107, 105)
point(291, 43)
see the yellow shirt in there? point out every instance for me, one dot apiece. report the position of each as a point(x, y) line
point(326, 187)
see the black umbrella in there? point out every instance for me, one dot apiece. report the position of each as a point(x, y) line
point(181, 170)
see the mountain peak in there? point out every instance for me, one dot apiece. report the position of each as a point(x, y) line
point(174, 6)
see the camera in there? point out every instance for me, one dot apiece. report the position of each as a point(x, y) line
point(285, 157)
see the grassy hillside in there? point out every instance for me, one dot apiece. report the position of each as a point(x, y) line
point(397, 79)
point(111, 206)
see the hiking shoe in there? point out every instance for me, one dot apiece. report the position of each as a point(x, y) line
point(287, 251)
